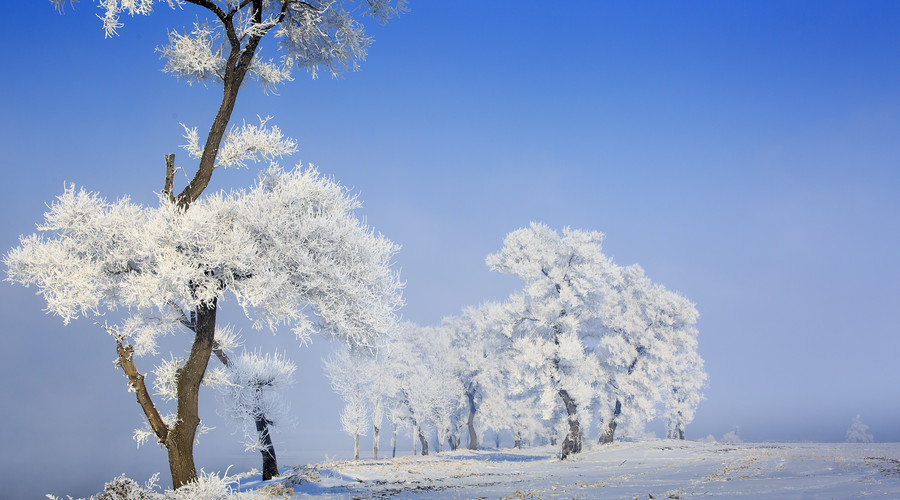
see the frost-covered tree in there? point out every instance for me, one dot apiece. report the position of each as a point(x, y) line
point(591, 338)
point(859, 432)
point(287, 247)
point(648, 354)
point(252, 401)
point(554, 319)
point(345, 368)
point(172, 265)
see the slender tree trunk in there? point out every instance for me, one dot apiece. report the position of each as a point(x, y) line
point(610, 433)
point(356, 446)
point(269, 462)
point(235, 70)
point(415, 436)
point(376, 430)
point(518, 442)
point(572, 442)
point(394, 443)
point(424, 443)
point(473, 437)
point(180, 440)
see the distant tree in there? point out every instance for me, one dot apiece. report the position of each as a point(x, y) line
point(483, 350)
point(732, 437)
point(252, 401)
point(859, 432)
point(106, 256)
point(555, 319)
point(348, 378)
point(648, 354)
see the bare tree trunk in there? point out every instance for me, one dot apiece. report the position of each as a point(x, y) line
point(415, 435)
point(473, 437)
point(394, 443)
point(377, 430)
point(356, 446)
point(610, 432)
point(269, 462)
point(572, 442)
point(424, 443)
point(180, 440)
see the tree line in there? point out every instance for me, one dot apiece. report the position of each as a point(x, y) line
point(586, 347)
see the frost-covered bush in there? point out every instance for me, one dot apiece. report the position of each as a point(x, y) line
point(205, 487)
point(731, 437)
point(858, 432)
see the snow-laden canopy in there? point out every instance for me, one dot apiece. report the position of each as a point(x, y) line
point(287, 247)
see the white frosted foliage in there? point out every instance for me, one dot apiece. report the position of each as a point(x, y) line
point(859, 432)
point(289, 243)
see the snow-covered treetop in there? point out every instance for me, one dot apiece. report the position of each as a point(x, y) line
point(310, 34)
point(289, 243)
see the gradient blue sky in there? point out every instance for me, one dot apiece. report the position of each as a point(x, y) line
point(746, 154)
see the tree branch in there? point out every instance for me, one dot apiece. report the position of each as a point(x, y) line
point(170, 178)
point(207, 4)
point(125, 361)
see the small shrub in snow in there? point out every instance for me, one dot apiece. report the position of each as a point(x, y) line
point(731, 438)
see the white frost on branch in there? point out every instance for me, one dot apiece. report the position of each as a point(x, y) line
point(195, 57)
point(289, 246)
point(250, 394)
point(245, 143)
point(310, 34)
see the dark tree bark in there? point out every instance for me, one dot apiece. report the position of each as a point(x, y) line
point(610, 432)
point(125, 361)
point(424, 443)
point(180, 439)
point(269, 462)
point(572, 442)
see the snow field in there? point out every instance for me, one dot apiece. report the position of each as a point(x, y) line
point(650, 469)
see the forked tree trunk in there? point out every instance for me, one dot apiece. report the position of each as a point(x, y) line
point(473, 437)
point(610, 432)
point(572, 442)
point(180, 440)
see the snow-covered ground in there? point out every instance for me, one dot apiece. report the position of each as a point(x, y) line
point(649, 469)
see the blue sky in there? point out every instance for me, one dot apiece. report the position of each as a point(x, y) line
point(746, 154)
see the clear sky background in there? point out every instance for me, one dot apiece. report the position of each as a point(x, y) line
point(745, 153)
